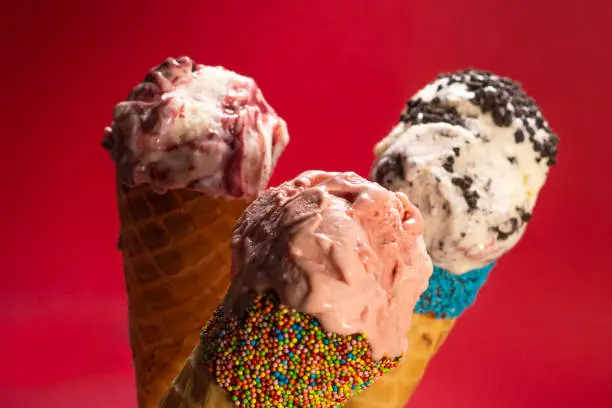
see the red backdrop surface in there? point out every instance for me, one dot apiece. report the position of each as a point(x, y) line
point(540, 334)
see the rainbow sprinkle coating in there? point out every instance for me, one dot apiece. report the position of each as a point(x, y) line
point(448, 295)
point(277, 357)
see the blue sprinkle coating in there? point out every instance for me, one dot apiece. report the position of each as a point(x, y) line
point(449, 295)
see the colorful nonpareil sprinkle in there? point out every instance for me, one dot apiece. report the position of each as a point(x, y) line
point(277, 357)
point(448, 295)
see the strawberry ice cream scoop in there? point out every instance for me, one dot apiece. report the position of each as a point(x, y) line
point(197, 127)
point(340, 248)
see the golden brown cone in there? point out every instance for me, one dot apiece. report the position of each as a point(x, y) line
point(176, 262)
point(194, 387)
point(394, 389)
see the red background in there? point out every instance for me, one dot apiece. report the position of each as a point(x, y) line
point(540, 334)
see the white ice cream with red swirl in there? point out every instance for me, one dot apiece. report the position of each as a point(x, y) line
point(198, 127)
point(472, 152)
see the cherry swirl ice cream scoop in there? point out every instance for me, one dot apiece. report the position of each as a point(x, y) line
point(193, 145)
point(198, 127)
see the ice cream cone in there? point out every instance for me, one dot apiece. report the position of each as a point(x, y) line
point(192, 145)
point(472, 151)
point(176, 261)
point(309, 321)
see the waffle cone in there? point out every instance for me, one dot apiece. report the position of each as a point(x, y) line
point(394, 389)
point(176, 262)
point(194, 387)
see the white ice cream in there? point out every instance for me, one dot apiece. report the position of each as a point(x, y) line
point(475, 176)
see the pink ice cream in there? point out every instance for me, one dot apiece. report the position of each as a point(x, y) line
point(199, 127)
point(339, 247)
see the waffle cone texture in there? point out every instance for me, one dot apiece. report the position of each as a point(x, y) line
point(176, 262)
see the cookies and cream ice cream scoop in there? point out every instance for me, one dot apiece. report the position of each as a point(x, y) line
point(472, 152)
